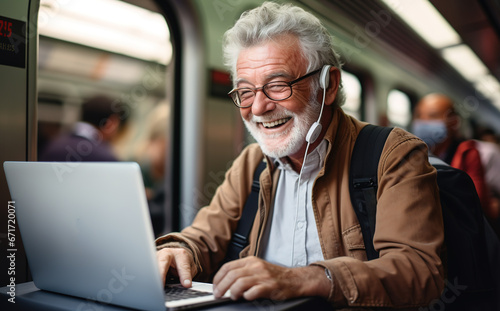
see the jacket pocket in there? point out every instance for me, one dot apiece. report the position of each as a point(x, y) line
point(353, 239)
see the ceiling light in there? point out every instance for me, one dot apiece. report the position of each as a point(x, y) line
point(465, 61)
point(423, 17)
point(489, 87)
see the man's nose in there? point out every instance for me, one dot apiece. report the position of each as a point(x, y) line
point(262, 104)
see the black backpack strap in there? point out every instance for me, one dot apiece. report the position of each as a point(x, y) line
point(239, 239)
point(363, 180)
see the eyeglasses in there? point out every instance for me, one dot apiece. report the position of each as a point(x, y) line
point(243, 97)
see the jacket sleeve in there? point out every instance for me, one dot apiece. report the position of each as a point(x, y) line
point(408, 235)
point(209, 234)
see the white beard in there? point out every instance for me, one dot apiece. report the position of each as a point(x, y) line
point(295, 137)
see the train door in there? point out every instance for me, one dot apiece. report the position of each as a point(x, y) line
point(18, 54)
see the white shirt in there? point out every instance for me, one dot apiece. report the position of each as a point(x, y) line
point(291, 237)
point(88, 131)
point(490, 158)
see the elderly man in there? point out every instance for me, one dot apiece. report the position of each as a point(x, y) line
point(306, 239)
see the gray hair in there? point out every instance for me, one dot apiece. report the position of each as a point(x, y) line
point(271, 20)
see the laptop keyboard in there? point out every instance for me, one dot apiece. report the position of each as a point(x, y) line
point(173, 293)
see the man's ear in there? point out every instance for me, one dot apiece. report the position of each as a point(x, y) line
point(110, 127)
point(453, 123)
point(333, 87)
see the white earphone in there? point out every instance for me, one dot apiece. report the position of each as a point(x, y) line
point(324, 80)
point(315, 130)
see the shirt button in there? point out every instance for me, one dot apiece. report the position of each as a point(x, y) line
point(300, 225)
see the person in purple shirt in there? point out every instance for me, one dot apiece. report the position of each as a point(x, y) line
point(89, 140)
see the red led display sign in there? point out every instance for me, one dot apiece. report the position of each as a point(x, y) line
point(12, 42)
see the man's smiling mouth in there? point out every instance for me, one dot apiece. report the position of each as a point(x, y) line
point(276, 123)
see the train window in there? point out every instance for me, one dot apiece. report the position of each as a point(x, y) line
point(109, 25)
point(104, 52)
point(352, 88)
point(399, 109)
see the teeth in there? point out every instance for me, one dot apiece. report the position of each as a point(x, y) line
point(275, 123)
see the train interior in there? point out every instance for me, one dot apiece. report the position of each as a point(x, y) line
point(162, 61)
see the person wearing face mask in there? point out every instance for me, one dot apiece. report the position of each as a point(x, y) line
point(437, 123)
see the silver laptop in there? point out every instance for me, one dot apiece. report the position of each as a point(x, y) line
point(87, 232)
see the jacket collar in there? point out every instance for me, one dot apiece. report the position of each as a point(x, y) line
point(338, 130)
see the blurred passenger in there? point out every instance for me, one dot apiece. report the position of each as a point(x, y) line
point(89, 140)
point(306, 239)
point(487, 134)
point(437, 123)
point(153, 157)
point(490, 158)
point(48, 131)
point(488, 145)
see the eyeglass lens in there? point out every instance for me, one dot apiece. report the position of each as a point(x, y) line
point(273, 90)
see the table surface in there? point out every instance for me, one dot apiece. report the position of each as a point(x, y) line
point(29, 297)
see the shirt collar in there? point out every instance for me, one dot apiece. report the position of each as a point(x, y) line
point(87, 130)
point(314, 159)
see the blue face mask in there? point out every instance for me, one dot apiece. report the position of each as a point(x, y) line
point(431, 132)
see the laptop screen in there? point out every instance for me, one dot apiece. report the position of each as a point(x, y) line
point(86, 230)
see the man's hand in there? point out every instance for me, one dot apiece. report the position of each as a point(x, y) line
point(177, 261)
point(253, 278)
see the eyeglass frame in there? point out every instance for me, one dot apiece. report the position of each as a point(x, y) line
point(254, 90)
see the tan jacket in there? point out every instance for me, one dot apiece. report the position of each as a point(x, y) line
point(409, 226)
